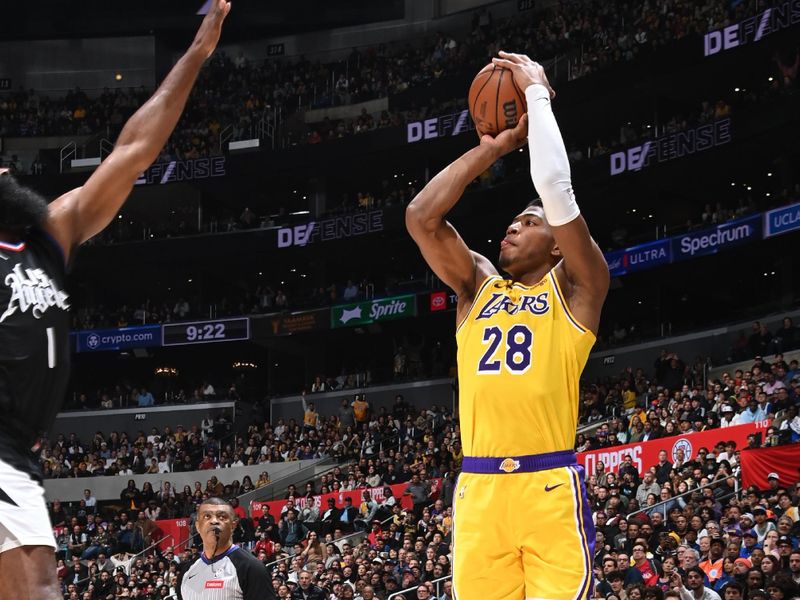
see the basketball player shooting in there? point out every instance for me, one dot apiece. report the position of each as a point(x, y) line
point(37, 242)
point(523, 526)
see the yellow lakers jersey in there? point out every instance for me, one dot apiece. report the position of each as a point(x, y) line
point(520, 357)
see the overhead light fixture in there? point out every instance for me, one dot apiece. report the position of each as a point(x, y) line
point(244, 366)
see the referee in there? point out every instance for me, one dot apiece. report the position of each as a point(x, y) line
point(223, 571)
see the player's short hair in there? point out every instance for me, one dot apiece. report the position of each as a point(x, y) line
point(20, 206)
point(536, 202)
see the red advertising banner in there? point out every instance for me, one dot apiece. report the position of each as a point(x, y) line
point(645, 454)
point(758, 463)
point(257, 509)
point(176, 531)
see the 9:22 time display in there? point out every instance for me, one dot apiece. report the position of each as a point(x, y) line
point(203, 332)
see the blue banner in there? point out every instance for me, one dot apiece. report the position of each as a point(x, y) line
point(712, 240)
point(97, 340)
point(639, 258)
point(782, 220)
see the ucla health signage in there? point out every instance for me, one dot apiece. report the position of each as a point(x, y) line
point(639, 258)
point(436, 127)
point(672, 146)
point(183, 170)
point(328, 230)
point(752, 29)
point(711, 241)
point(97, 340)
point(782, 220)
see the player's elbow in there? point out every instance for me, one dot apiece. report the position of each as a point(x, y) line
point(133, 156)
point(417, 221)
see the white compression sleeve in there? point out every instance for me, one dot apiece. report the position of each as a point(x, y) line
point(549, 164)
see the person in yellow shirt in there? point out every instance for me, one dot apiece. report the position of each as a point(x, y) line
point(310, 415)
point(637, 415)
point(457, 452)
point(523, 341)
point(628, 396)
point(360, 409)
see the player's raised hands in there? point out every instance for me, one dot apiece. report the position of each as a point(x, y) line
point(508, 140)
point(210, 29)
point(526, 72)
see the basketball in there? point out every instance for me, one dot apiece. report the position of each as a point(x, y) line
point(495, 100)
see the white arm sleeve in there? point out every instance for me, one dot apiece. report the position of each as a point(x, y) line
point(549, 164)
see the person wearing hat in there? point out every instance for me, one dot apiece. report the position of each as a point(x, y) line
point(685, 422)
point(749, 541)
point(741, 567)
point(774, 481)
point(712, 565)
point(762, 525)
point(330, 517)
point(727, 415)
point(784, 547)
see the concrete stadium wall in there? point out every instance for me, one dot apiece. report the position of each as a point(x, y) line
point(716, 343)
point(85, 423)
point(418, 393)
point(109, 488)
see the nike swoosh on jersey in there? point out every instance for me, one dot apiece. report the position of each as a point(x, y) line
point(550, 488)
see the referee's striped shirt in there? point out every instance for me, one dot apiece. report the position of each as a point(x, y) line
point(234, 575)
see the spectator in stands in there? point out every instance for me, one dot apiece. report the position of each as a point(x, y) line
point(291, 530)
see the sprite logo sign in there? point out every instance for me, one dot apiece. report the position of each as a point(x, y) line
point(372, 311)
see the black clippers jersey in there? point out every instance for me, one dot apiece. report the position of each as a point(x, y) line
point(34, 344)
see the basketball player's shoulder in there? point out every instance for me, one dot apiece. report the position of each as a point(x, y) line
point(484, 269)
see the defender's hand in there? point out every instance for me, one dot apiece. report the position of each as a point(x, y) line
point(210, 29)
point(526, 72)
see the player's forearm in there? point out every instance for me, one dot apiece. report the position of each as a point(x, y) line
point(549, 163)
point(442, 192)
point(146, 132)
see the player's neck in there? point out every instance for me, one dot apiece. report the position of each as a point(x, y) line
point(208, 550)
point(532, 277)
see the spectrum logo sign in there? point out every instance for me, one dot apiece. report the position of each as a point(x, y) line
point(711, 241)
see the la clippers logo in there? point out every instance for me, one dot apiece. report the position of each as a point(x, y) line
point(438, 301)
point(682, 444)
point(32, 289)
point(216, 584)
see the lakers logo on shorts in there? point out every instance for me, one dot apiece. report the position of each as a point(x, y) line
point(509, 465)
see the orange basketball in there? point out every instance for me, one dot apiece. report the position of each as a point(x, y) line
point(495, 100)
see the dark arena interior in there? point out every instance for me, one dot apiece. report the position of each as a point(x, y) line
point(269, 320)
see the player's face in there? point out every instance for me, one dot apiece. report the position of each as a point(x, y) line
point(528, 243)
point(215, 516)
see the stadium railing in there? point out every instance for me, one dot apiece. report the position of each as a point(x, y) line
point(438, 583)
point(664, 503)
